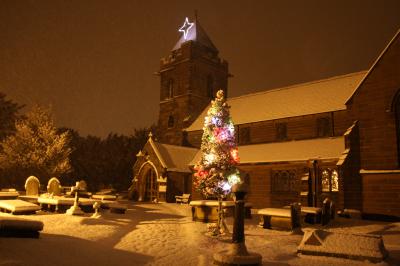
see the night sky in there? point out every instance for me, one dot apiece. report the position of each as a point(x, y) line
point(93, 61)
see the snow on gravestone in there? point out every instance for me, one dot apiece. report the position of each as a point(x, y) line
point(32, 185)
point(350, 246)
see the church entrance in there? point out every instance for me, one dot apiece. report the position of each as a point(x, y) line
point(151, 188)
point(147, 183)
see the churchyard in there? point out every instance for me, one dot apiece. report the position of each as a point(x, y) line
point(164, 234)
point(68, 225)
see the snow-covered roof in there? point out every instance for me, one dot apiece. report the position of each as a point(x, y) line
point(320, 96)
point(174, 158)
point(289, 151)
point(197, 34)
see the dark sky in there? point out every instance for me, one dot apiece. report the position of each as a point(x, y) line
point(93, 61)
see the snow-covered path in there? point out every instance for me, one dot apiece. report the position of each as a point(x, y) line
point(164, 234)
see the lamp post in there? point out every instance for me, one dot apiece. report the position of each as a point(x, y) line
point(237, 253)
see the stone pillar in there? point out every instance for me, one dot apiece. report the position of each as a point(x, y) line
point(238, 226)
point(238, 254)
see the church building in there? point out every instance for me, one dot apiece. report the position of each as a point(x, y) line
point(337, 137)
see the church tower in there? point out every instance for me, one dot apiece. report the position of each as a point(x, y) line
point(190, 77)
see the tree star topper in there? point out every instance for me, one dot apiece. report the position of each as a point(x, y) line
point(186, 27)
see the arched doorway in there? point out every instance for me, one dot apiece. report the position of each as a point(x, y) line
point(148, 182)
point(151, 188)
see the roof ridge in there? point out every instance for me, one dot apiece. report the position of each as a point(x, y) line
point(178, 146)
point(300, 84)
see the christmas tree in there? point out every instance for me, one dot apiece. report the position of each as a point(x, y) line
point(216, 172)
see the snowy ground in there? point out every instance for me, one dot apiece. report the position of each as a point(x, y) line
point(163, 234)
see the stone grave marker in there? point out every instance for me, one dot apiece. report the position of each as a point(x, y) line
point(32, 185)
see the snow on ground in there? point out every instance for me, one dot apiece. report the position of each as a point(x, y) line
point(164, 234)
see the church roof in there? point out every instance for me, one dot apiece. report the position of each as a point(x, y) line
point(173, 158)
point(289, 151)
point(197, 34)
point(314, 97)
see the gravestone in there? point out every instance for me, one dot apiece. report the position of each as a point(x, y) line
point(32, 185)
point(54, 187)
point(82, 185)
point(75, 209)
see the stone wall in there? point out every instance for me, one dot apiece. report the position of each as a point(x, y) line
point(373, 106)
point(381, 192)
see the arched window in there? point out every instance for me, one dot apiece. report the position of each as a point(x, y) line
point(330, 180)
point(170, 121)
point(210, 86)
point(284, 180)
point(170, 88)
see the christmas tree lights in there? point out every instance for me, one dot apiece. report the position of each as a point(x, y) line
point(216, 172)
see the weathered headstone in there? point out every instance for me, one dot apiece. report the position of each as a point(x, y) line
point(82, 185)
point(54, 187)
point(32, 185)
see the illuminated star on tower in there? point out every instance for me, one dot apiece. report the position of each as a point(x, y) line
point(186, 27)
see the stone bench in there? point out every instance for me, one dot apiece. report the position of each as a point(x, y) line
point(182, 199)
point(281, 218)
point(311, 215)
point(207, 210)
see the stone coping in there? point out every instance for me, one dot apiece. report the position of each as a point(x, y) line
point(7, 194)
point(104, 197)
point(18, 206)
point(56, 200)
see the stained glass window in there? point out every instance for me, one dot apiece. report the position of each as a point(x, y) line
point(329, 180)
point(325, 180)
point(335, 180)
